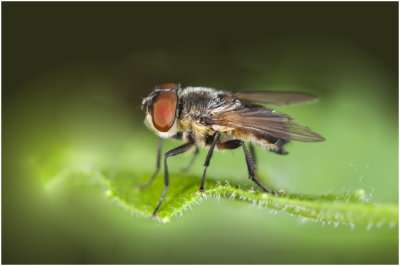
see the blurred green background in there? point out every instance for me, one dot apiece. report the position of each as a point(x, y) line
point(73, 78)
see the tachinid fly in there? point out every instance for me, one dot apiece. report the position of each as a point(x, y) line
point(210, 118)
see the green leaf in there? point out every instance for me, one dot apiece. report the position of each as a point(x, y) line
point(345, 208)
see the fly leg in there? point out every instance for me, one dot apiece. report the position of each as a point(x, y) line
point(207, 162)
point(253, 155)
point(251, 166)
point(173, 152)
point(187, 168)
point(157, 166)
point(253, 152)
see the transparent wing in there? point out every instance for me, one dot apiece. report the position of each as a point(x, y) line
point(261, 121)
point(276, 97)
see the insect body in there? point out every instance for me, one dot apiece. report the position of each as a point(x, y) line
point(209, 118)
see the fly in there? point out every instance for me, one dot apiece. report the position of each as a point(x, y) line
point(209, 118)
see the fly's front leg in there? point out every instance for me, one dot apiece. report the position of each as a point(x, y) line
point(207, 162)
point(176, 151)
point(251, 166)
point(157, 166)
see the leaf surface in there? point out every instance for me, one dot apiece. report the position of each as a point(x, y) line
point(344, 208)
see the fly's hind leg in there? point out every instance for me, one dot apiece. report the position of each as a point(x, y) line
point(251, 166)
point(253, 155)
point(253, 152)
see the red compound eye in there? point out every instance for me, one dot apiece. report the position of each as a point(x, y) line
point(167, 86)
point(163, 113)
